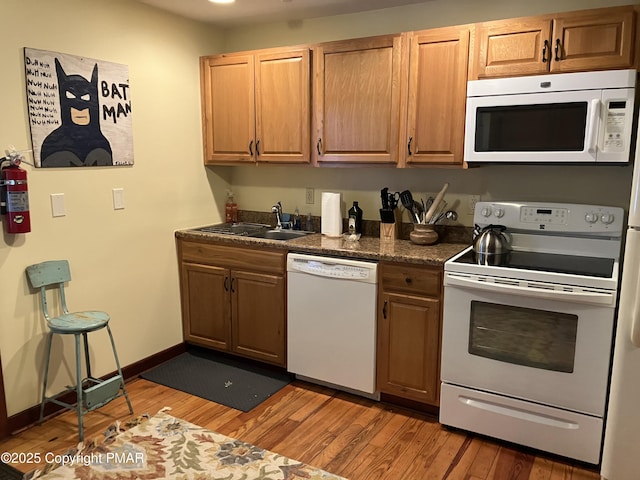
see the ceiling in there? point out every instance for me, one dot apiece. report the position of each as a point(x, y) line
point(244, 12)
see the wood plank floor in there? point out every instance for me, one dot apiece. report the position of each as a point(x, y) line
point(343, 434)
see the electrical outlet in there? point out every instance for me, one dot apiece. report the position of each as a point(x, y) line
point(471, 205)
point(309, 196)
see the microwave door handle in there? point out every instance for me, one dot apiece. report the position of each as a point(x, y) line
point(592, 126)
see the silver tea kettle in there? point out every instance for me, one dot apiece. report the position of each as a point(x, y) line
point(491, 240)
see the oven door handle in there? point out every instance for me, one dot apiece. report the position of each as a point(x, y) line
point(519, 414)
point(597, 298)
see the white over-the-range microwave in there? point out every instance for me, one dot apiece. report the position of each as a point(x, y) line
point(585, 117)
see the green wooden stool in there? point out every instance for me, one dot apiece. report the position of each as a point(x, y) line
point(91, 393)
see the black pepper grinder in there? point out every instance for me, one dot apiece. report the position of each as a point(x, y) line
point(355, 219)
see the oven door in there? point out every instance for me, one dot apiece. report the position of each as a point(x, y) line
point(533, 343)
point(575, 126)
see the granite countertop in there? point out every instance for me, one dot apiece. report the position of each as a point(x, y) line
point(371, 248)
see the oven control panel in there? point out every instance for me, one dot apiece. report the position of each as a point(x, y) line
point(551, 217)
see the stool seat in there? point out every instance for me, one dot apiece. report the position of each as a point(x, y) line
point(91, 392)
point(78, 322)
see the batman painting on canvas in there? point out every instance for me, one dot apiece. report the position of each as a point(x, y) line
point(79, 140)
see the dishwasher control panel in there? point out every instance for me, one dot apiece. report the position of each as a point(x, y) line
point(329, 267)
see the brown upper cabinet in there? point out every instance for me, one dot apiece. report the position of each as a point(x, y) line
point(396, 100)
point(356, 87)
point(597, 39)
point(256, 107)
point(436, 98)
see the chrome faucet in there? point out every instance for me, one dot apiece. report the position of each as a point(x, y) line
point(277, 209)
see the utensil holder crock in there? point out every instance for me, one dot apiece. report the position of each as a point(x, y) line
point(423, 234)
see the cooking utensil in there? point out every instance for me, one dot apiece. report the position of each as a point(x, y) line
point(439, 211)
point(407, 199)
point(410, 204)
point(417, 207)
point(449, 215)
point(436, 203)
point(384, 195)
point(394, 198)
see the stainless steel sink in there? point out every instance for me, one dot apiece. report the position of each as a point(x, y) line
point(254, 230)
point(242, 228)
point(281, 234)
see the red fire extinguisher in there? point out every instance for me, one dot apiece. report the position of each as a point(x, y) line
point(15, 197)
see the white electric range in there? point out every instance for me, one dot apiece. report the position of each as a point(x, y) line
point(527, 337)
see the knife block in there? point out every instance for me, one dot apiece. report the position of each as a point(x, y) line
point(389, 232)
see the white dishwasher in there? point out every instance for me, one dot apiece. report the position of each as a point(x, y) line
point(331, 324)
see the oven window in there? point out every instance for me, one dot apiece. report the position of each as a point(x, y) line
point(523, 336)
point(549, 127)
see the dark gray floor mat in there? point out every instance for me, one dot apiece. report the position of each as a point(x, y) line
point(219, 379)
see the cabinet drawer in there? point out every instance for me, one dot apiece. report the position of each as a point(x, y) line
point(412, 279)
point(261, 260)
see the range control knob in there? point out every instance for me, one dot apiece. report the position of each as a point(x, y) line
point(607, 218)
point(499, 212)
point(591, 217)
point(486, 212)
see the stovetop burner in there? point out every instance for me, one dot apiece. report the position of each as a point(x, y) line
point(543, 262)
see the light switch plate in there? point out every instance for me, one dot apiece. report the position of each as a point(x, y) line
point(57, 205)
point(118, 198)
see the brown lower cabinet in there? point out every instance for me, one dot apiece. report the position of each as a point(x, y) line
point(233, 299)
point(409, 328)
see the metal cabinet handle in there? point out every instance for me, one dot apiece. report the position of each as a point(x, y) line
point(251, 148)
point(384, 310)
point(408, 280)
point(258, 148)
point(233, 290)
point(226, 284)
point(544, 51)
point(409, 145)
point(319, 146)
point(557, 50)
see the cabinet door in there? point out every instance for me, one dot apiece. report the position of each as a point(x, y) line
point(408, 347)
point(258, 316)
point(513, 47)
point(437, 96)
point(228, 108)
point(357, 101)
point(206, 300)
point(283, 118)
point(595, 39)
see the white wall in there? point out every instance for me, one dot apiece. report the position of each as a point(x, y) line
point(122, 261)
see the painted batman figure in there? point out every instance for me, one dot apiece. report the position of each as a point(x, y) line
point(79, 140)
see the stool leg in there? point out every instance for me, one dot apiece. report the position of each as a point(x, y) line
point(79, 387)
point(115, 355)
point(46, 375)
point(86, 354)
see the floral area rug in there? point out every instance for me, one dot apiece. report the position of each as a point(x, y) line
point(167, 447)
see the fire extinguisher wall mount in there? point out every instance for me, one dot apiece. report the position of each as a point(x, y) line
point(14, 196)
